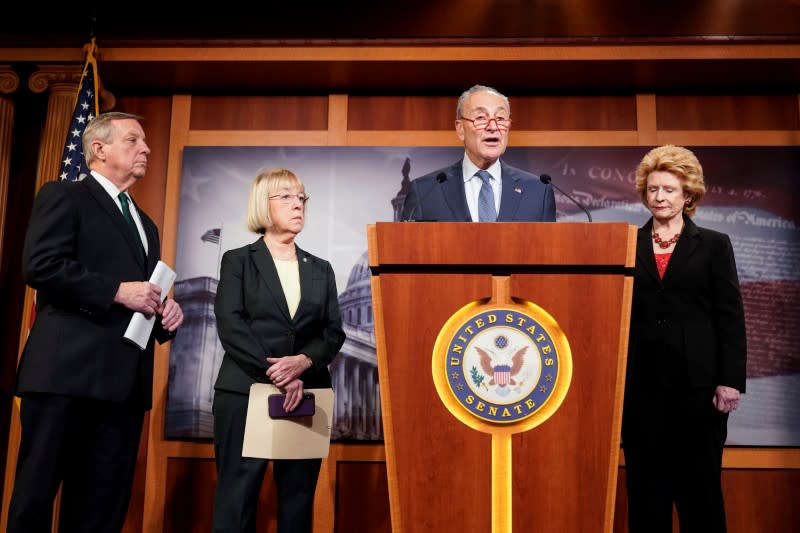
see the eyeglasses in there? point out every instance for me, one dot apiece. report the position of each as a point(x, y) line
point(481, 122)
point(289, 198)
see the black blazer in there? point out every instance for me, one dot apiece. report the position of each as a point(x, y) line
point(78, 249)
point(524, 197)
point(253, 319)
point(698, 305)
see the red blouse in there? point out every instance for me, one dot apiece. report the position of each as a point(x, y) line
point(661, 263)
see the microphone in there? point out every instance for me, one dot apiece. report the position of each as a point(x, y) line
point(441, 177)
point(546, 179)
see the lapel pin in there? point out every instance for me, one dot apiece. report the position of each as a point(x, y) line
point(305, 260)
point(518, 190)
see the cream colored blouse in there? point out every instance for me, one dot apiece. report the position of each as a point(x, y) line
point(289, 274)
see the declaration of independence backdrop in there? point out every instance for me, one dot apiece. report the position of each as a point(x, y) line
point(750, 196)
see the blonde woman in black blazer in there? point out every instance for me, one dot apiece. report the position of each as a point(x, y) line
point(278, 319)
point(687, 354)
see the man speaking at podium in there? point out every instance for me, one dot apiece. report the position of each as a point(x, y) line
point(480, 187)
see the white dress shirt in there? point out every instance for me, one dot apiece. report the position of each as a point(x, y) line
point(473, 184)
point(113, 192)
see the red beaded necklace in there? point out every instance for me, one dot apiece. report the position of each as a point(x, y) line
point(666, 244)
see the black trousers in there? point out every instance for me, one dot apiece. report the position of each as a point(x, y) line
point(91, 446)
point(239, 479)
point(673, 447)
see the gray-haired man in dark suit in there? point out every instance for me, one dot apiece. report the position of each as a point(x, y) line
point(481, 187)
point(88, 251)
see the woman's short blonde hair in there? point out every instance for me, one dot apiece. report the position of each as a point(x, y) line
point(680, 162)
point(266, 184)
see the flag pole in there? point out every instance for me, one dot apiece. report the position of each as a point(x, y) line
point(219, 251)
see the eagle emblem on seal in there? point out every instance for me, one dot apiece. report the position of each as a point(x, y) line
point(498, 366)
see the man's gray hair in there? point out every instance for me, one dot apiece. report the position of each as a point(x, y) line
point(100, 128)
point(478, 89)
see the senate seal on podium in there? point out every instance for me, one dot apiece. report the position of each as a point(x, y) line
point(502, 366)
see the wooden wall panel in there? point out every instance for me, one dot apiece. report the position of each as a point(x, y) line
point(189, 504)
point(557, 113)
point(402, 113)
point(362, 497)
point(755, 500)
point(574, 113)
point(762, 500)
point(150, 193)
point(190, 486)
point(259, 113)
point(727, 112)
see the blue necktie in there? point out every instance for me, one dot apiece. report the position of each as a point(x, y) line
point(486, 209)
point(126, 213)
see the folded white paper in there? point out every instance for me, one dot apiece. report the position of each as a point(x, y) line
point(140, 327)
point(302, 437)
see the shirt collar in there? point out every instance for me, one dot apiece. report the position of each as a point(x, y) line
point(469, 169)
point(107, 185)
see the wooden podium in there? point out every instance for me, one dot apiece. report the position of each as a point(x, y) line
point(443, 475)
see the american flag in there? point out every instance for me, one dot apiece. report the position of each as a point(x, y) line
point(73, 165)
point(211, 235)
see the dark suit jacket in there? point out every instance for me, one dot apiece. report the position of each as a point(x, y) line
point(253, 320)
point(78, 249)
point(697, 307)
point(524, 197)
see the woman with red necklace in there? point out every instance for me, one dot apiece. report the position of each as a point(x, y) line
point(686, 356)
